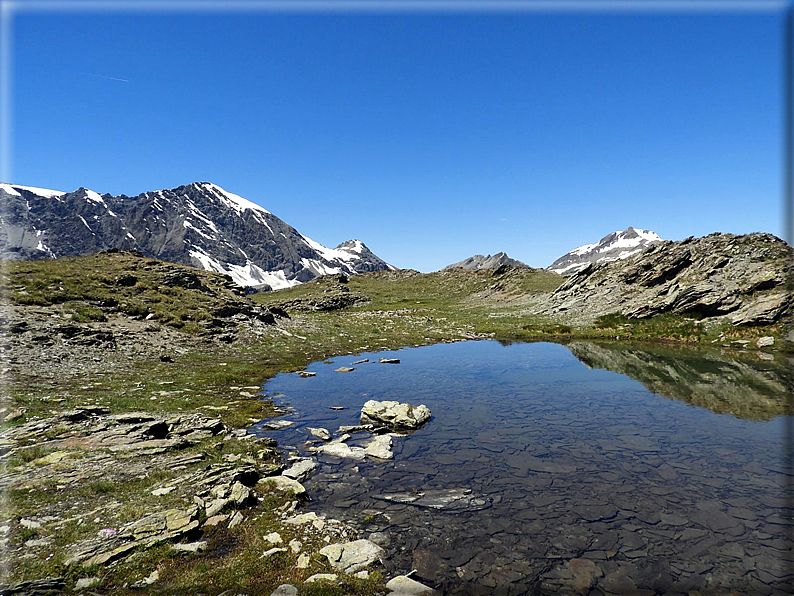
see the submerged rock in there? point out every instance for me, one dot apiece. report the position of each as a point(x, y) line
point(394, 414)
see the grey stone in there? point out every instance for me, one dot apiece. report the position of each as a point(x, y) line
point(282, 483)
point(394, 414)
point(85, 583)
point(379, 447)
point(405, 586)
point(301, 470)
point(329, 577)
point(765, 341)
point(320, 433)
point(190, 547)
point(285, 590)
point(352, 556)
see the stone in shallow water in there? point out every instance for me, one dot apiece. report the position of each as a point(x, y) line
point(320, 433)
point(379, 447)
point(342, 450)
point(394, 414)
point(301, 470)
point(344, 369)
point(277, 424)
point(352, 556)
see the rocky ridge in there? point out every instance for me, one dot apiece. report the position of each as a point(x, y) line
point(199, 224)
point(738, 279)
point(496, 261)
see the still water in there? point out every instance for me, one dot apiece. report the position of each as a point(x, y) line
point(539, 473)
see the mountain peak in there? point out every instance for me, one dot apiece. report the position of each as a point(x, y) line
point(612, 247)
point(477, 262)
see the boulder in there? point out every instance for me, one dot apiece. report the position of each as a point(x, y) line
point(349, 557)
point(394, 414)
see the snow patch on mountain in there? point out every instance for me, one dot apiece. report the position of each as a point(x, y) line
point(612, 247)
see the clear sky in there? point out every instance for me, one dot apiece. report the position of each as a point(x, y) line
point(429, 136)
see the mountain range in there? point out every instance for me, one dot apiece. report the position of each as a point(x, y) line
point(199, 224)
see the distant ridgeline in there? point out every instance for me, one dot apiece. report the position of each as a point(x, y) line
point(478, 262)
point(199, 224)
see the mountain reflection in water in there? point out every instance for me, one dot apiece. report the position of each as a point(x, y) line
point(739, 384)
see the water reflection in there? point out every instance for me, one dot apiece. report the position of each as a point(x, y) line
point(742, 385)
point(540, 475)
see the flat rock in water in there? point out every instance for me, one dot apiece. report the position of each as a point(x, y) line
point(394, 414)
point(337, 408)
point(389, 361)
point(306, 374)
point(319, 433)
point(379, 447)
point(342, 450)
point(344, 369)
point(301, 470)
point(277, 424)
point(349, 557)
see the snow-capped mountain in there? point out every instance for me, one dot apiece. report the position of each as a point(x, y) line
point(488, 262)
point(199, 224)
point(615, 246)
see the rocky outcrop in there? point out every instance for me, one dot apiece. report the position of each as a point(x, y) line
point(740, 278)
point(394, 415)
point(334, 296)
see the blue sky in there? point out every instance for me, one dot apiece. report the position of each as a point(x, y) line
point(431, 137)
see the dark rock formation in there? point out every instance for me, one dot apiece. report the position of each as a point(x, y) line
point(740, 278)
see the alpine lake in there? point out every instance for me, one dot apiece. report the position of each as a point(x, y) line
point(578, 468)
